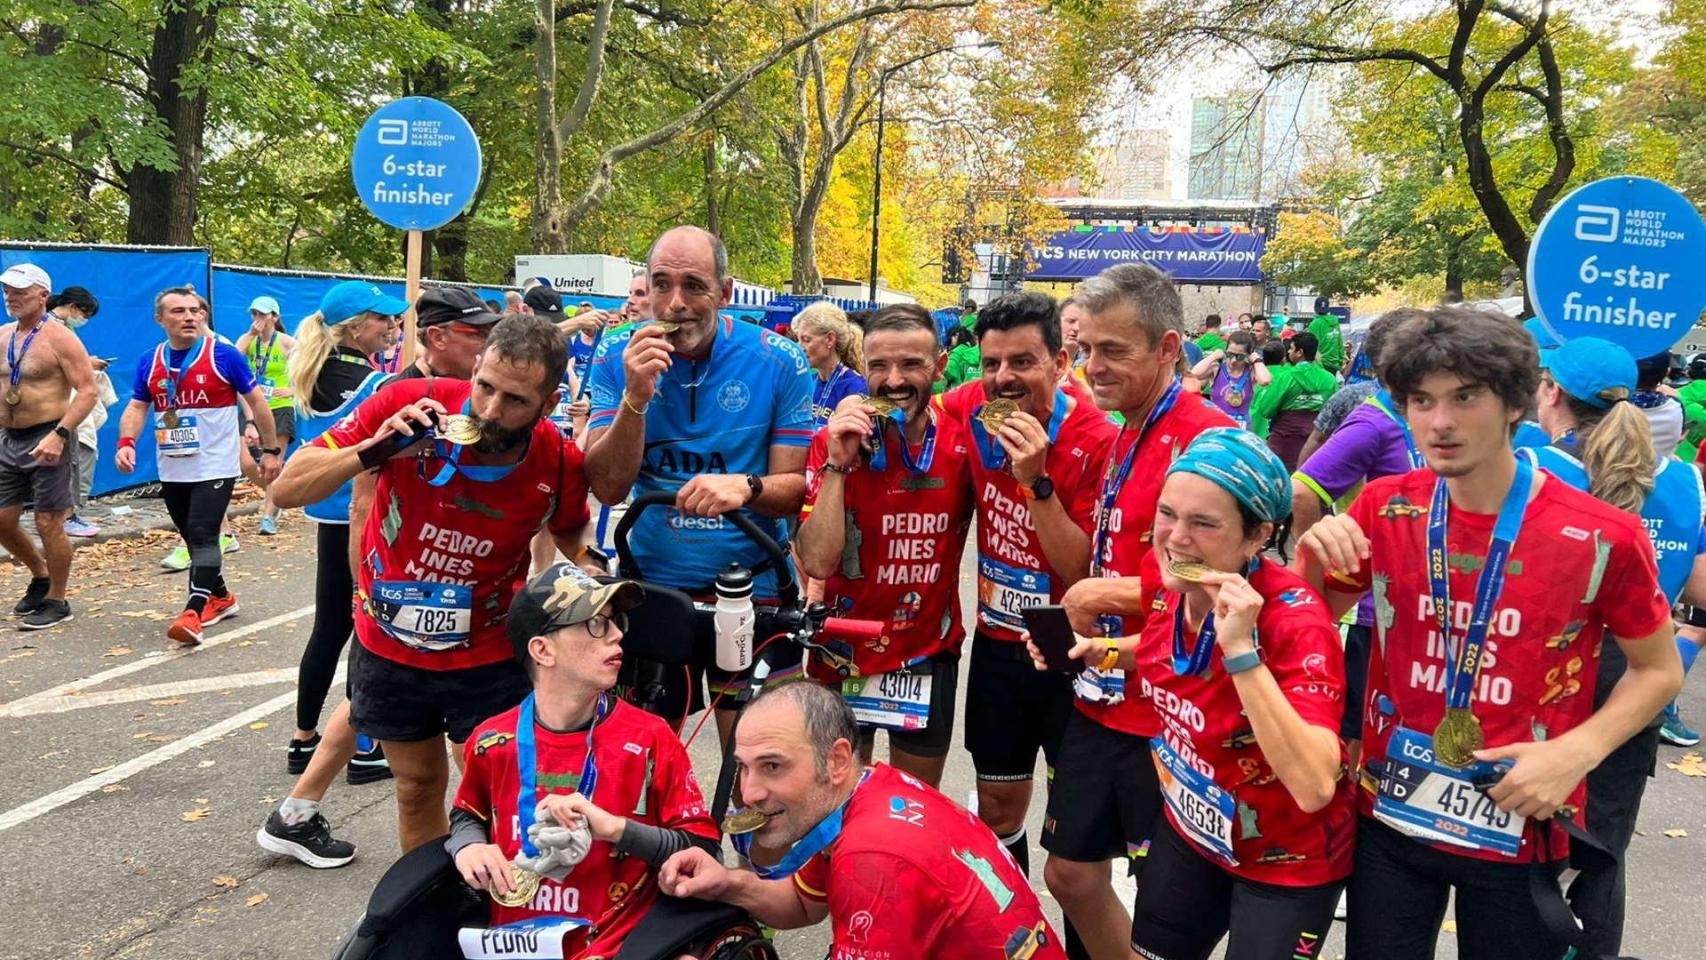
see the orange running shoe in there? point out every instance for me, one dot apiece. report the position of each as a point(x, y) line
point(186, 630)
point(218, 608)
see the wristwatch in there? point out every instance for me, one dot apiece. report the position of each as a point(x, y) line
point(271, 451)
point(64, 434)
point(1040, 489)
point(1238, 663)
point(754, 487)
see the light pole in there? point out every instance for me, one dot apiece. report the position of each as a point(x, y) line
point(877, 179)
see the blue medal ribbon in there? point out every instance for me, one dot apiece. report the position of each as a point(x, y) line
point(449, 454)
point(256, 362)
point(807, 847)
point(926, 453)
point(1464, 665)
point(1383, 400)
point(989, 448)
point(16, 357)
point(1242, 386)
point(191, 355)
point(1114, 478)
point(527, 763)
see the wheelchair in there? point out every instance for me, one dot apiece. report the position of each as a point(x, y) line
point(421, 903)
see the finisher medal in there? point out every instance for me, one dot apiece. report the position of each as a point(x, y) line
point(14, 396)
point(744, 821)
point(1457, 738)
point(169, 418)
point(1188, 572)
point(667, 326)
point(996, 412)
point(883, 405)
point(526, 885)
point(459, 429)
point(1234, 398)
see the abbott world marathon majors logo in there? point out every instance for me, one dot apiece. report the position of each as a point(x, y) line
point(1618, 259)
point(416, 163)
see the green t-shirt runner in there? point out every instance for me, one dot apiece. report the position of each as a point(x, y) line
point(1330, 352)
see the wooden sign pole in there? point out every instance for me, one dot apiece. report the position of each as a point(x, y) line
point(411, 290)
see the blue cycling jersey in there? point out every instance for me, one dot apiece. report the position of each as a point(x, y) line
point(720, 415)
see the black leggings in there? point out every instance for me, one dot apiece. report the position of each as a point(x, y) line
point(197, 509)
point(1186, 903)
point(334, 618)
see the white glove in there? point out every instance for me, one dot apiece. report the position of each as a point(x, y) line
point(561, 848)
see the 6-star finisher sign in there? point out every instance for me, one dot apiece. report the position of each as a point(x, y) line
point(416, 165)
point(1619, 259)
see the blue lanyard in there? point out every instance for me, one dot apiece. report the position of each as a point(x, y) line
point(191, 355)
point(1242, 386)
point(821, 391)
point(13, 359)
point(807, 847)
point(1195, 661)
point(1113, 480)
point(926, 453)
point(526, 758)
point(1464, 666)
point(449, 453)
point(989, 448)
point(255, 355)
point(1383, 400)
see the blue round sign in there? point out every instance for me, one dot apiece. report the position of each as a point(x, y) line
point(1619, 259)
point(416, 163)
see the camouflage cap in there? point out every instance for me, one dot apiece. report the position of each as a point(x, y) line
point(564, 595)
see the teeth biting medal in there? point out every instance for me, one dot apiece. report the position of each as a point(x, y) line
point(996, 412)
point(883, 405)
point(744, 821)
point(459, 429)
point(1188, 571)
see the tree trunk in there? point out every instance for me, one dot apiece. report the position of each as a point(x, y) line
point(806, 278)
point(548, 209)
point(1454, 266)
point(162, 201)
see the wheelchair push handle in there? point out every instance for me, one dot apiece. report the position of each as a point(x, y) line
point(850, 632)
point(777, 559)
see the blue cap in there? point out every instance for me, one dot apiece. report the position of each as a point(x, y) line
point(1544, 338)
point(264, 305)
point(1597, 372)
point(352, 298)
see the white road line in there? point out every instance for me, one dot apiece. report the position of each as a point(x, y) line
point(151, 660)
point(149, 760)
point(157, 691)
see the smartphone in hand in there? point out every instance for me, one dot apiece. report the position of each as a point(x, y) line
point(1052, 632)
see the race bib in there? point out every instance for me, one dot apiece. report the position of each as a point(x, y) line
point(1003, 591)
point(183, 440)
point(426, 616)
point(268, 388)
point(1099, 686)
point(1199, 805)
point(897, 700)
point(538, 939)
point(1420, 797)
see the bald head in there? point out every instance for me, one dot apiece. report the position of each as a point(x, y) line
point(692, 243)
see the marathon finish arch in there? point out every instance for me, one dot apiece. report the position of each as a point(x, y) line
point(1217, 255)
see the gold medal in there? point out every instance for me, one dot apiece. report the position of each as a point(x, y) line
point(1234, 398)
point(883, 405)
point(14, 396)
point(667, 326)
point(1457, 738)
point(996, 412)
point(1186, 571)
point(169, 418)
point(459, 429)
point(526, 885)
point(744, 821)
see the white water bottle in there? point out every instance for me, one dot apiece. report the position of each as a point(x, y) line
point(734, 618)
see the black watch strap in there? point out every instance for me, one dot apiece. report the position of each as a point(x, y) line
point(63, 431)
point(754, 486)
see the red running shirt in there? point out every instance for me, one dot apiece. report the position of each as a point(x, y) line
point(913, 875)
point(901, 560)
point(465, 536)
point(643, 774)
point(1202, 719)
point(1131, 525)
point(1012, 572)
point(1579, 567)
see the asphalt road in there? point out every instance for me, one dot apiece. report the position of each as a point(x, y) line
point(133, 779)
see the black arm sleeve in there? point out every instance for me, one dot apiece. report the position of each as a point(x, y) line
point(654, 845)
point(465, 829)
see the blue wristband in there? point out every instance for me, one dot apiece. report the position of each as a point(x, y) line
point(1248, 660)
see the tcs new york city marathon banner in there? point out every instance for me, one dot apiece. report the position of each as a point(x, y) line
point(1207, 255)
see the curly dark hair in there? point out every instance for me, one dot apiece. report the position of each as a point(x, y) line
point(1026, 308)
point(1484, 349)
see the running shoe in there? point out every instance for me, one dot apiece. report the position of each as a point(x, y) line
point(296, 757)
point(369, 764)
point(1674, 732)
point(34, 595)
point(227, 543)
point(269, 526)
point(310, 841)
point(49, 613)
point(76, 526)
point(218, 608)
point(178, 560)
point(186, 630)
